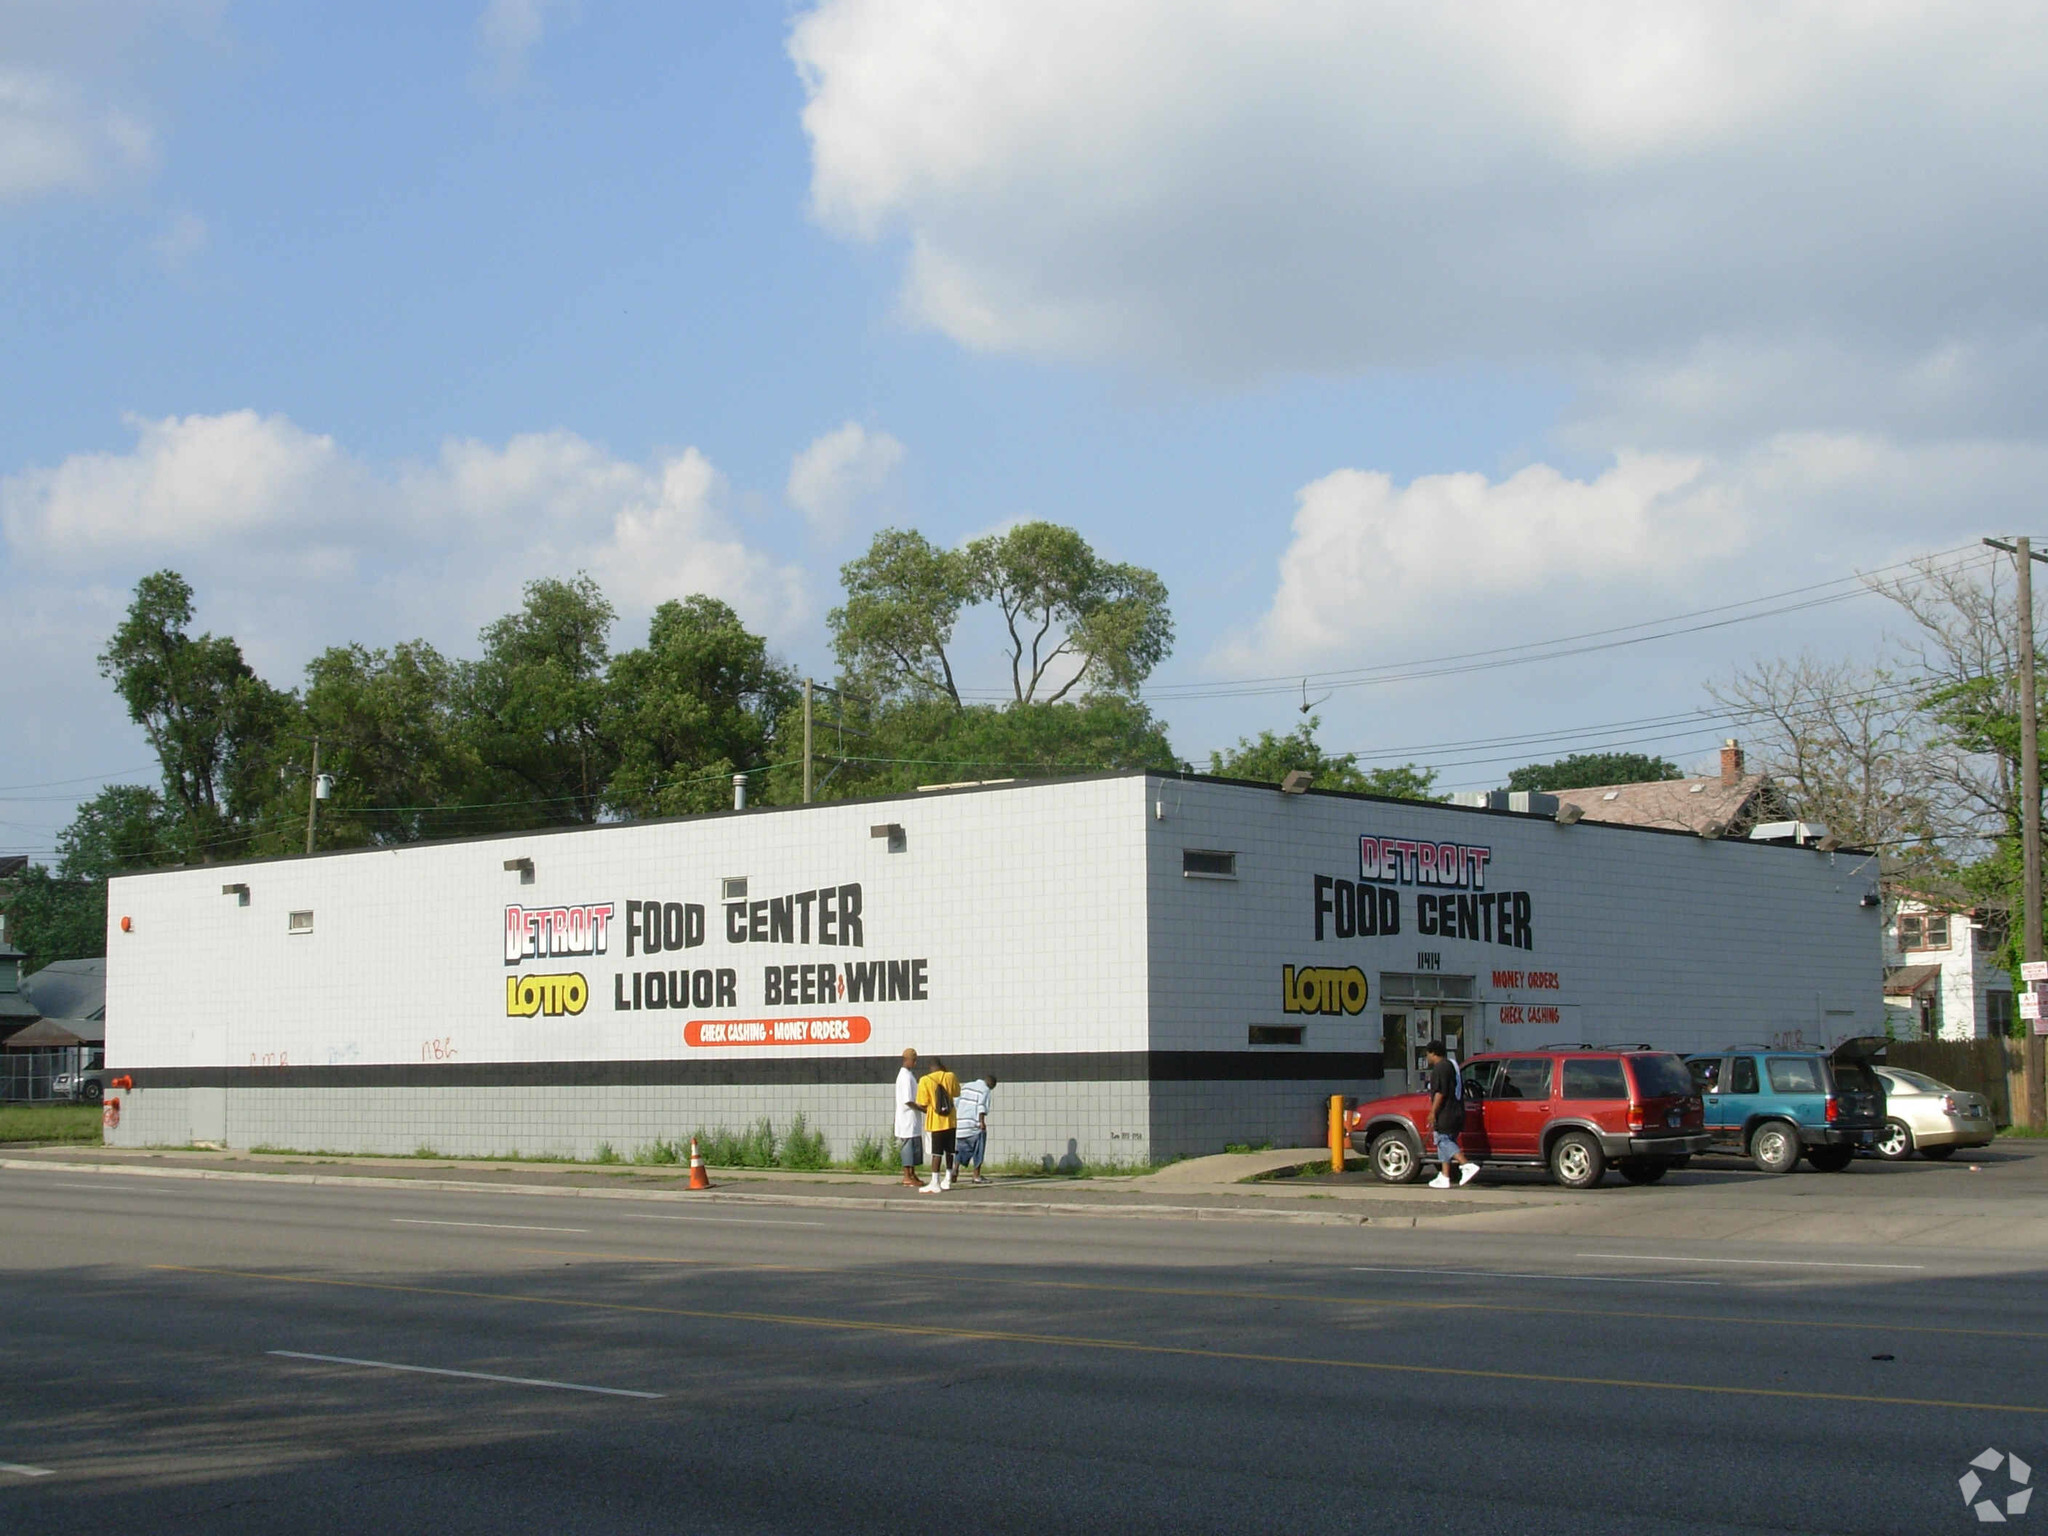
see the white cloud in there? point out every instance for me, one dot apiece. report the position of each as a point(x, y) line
point(1233, 189)
point(1372, 564)
point(839, 472)
point(507, 32)
point(53, 139)
point(305, 538)
point(180, 241)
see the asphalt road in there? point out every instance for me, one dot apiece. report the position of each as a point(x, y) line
point(186, 1356)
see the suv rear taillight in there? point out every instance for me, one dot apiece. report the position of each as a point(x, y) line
point(1834, 1109)
point(1638, 1118)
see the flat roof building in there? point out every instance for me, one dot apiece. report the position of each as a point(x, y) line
point(1153, 965)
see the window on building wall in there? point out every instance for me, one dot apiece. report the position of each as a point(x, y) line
point(2000, 1012)
point(1923, 930)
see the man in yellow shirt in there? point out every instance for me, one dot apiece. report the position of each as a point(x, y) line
point(938, 1092)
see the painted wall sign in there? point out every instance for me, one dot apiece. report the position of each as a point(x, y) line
point(526, 996)
point(851, 1030)
point(544, 933)
point(1322, 989)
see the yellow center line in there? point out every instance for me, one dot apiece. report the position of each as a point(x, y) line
point(1340, 1301)
point(1121, 1346)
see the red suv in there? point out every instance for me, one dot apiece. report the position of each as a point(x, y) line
point(1574, 1110)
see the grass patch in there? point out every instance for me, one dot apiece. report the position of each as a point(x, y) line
point(69, 1123)
point(1247, 1146)
point(875, 1154)
point(2025, 1132)
point(607, 1153)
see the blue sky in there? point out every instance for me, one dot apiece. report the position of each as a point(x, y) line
point(1381, 335)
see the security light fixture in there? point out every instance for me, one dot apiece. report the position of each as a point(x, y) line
point(1713, 829)
point(1297, 782)
point(1567, 813)
point(323, 786)
point(1868, 899)
point(893, 831)
point(524, 868)
point(1829, 843)
point(239, 892)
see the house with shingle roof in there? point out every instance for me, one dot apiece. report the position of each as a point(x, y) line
point(1729, 804)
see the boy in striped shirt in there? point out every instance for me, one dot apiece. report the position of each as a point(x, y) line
point(972, 1144)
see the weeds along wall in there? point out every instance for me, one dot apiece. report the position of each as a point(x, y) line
point(557, 992)
point(1153, 966)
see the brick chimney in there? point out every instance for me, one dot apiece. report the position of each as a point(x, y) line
point(1731, 761)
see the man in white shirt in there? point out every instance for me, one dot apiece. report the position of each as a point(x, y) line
point(909, 1118)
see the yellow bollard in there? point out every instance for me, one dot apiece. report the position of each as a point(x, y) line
point(1336, 1133)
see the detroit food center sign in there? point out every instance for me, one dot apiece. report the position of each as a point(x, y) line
point(721, 968)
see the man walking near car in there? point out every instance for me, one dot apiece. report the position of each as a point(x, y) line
point(937, 1094)
point(909, 1123)
point(1447, 1117)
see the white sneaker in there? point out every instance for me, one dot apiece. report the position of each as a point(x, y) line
point(946, 1182)
point(931, 1188)
point(1470, 1172)
point(1441, 1181)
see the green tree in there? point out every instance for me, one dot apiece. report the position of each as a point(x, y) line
point(1074, 621)
point(50, 918)
point(124, 826)
point(1067, 610)
point(1269, 758)
point(903, 599)
point(698, 703)
point(216, 727)
point(537, 703)
point(1590, 770)
point(392, 735)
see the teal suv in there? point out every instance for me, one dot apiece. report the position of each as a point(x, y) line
point(1773, 1107)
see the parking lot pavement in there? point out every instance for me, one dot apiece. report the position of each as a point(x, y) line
point(240, 1356)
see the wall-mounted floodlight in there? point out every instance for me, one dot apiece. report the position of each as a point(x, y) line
point(1868, 899)
point(894, 832)
point(1297, 782)
point(239, 892)
point(523, 867)
point(1713, 829)
point(1568, 813)
point(1829, 843)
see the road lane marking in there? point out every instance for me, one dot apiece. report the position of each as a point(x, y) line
point(1120, 1346)
point(495, 1226)
point(435, 1370)
point(1510, 1274)
point(20, 1471)
point(1518, 1309)
point(1673, 1258)
point(731, 1221)
point(120, 1188)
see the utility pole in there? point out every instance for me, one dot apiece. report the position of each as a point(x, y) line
point(2021, 549)
point(313, 796)
point(807, 741)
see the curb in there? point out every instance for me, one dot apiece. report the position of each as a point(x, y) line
point(715, 1196)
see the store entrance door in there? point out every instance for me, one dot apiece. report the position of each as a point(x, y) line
point(1406, 1033)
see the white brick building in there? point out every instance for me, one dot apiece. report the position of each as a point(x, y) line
point(1153, 965)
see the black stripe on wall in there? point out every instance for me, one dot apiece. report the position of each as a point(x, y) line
point(1019, 1067)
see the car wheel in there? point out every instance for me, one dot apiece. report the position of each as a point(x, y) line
point(1395, 1159)
point(1775, 1147)
point(1576, 1161)
point(1643, 1170)
point(1894, 1142)
point(91, 1090)
point(1830, 1159)
point(1939, 1154)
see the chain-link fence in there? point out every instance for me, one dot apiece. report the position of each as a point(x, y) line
point(25, 1076)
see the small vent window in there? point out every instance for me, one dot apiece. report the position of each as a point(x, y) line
point(299, 922)
point(1277, 1034)
point(1208, 864)
point(735, 889)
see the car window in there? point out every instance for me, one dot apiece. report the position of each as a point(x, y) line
point(1913, 1082)
point(1659, 1076)
point(1600, 1078)
point(1795, 1074)
point(1742, 1075)
point(1524, 1077)
point(1855, 1077)
point(1706, 1073)
point(1480, 1078)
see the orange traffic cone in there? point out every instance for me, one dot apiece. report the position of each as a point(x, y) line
point(699, 1179)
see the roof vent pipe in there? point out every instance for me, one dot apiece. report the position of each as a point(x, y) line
point(739, 791)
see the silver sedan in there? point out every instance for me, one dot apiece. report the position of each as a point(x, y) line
point(1929, 1116)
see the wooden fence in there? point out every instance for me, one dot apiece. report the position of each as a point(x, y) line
point(1995, 1068)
